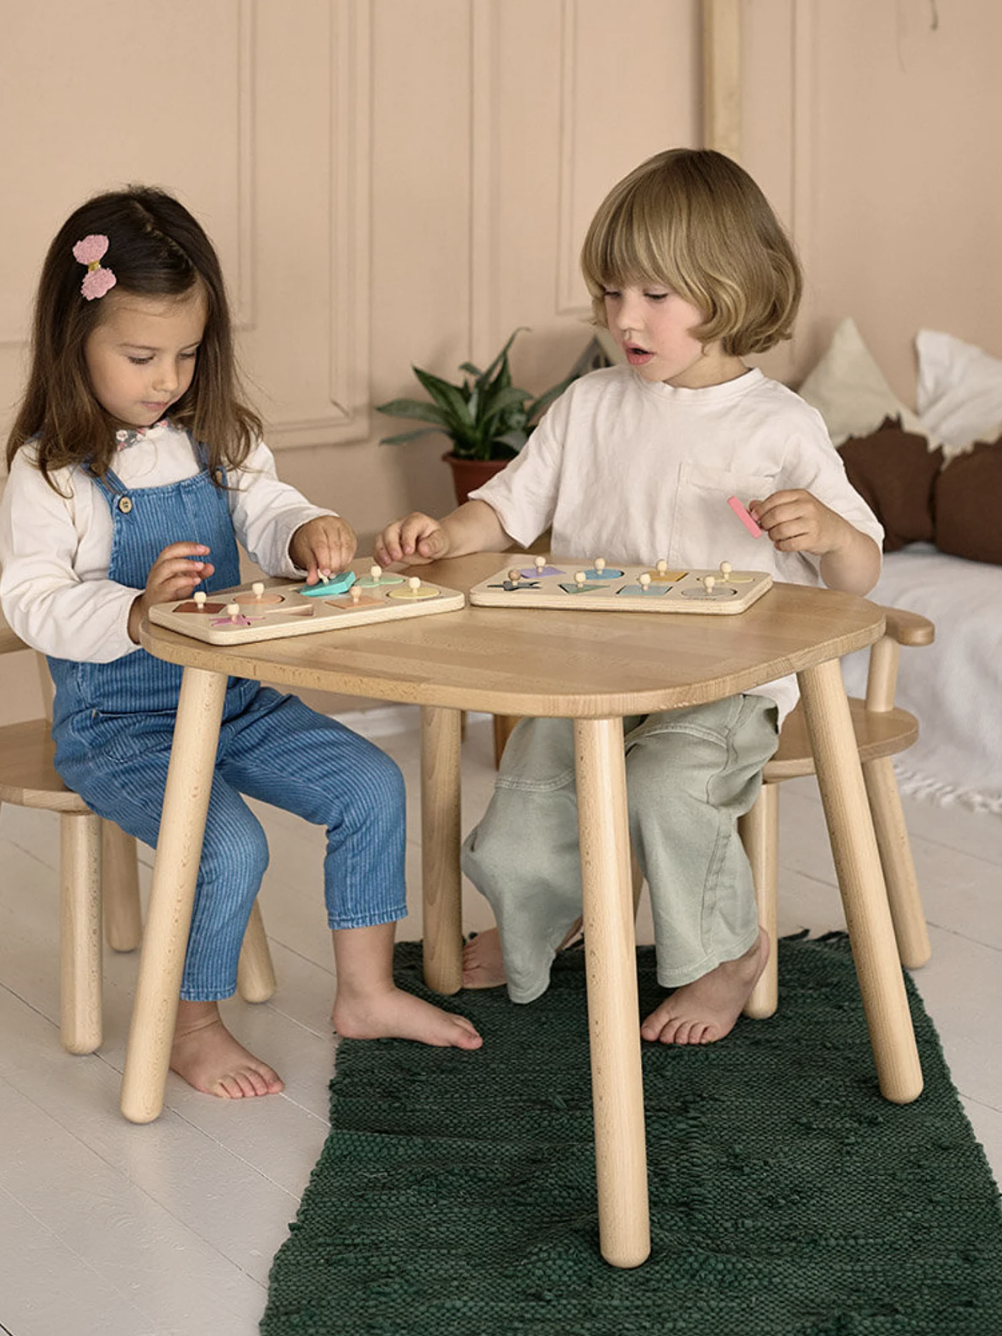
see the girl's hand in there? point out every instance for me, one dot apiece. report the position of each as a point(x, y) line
point(322, 547)
point(416, 539)
point(173, 576)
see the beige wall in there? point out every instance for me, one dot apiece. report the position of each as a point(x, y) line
point(398, 181)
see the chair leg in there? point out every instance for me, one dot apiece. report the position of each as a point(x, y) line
point(896, 858)
point(255, 973)
point(80, 932)
point(123, 921)
point(759, 831)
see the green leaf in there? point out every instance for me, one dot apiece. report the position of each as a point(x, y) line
point(500, 363)
point(413, 408)
point(411, 435)
point(447, 396)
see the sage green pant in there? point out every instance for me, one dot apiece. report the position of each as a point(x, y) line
point(689, 775)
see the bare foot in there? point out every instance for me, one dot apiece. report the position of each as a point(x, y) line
point(210, 1059)
point(483, 963)
point(705, 1010)
point(394, 1014)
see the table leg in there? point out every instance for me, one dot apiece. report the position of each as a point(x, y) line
point(613, 1005)
point(861, 882)
point(440, 831)
point(175, 872)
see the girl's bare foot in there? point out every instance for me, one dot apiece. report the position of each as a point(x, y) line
point(369, 1005)
point(705, 1010)
point(483, 963)
point(210, 1059)
point(393, 1014)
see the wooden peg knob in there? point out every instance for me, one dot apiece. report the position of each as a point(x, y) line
point(355, 593)
point(645, 582)
point(233, 611)
point(725, 569)
point(414, 582)
point(200, 599)
point(662, 567)
point(257, 589)
point(600, 564)
point(376, 573)
point(580, 578)
point(539, 563)
point(709, 581)
point(514, 576)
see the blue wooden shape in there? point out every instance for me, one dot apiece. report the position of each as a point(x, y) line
point(638, 591)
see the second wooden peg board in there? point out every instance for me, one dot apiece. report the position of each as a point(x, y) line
point(268, 611)
point(601, 586)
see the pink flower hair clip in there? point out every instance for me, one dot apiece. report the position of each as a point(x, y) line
point(98, 280)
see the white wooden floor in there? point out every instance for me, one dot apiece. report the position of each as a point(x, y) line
point(171, 1228)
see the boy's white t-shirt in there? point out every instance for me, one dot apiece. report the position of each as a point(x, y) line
point(634, 471)
point(55, 547)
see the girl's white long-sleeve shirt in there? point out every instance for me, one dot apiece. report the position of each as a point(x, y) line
point(55, 547)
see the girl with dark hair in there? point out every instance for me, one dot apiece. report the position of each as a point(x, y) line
point(135, 467)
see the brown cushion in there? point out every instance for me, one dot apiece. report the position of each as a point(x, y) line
point(895, 472)
point(968, 500)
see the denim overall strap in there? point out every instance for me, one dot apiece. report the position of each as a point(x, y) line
point(145, 521)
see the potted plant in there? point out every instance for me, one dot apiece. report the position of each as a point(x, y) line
point(485, 416)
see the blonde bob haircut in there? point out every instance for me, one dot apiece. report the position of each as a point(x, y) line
point(694, 221)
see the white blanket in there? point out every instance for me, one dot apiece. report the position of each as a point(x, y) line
point(954, 686)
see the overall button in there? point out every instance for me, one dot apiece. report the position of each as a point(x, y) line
point(125, 504)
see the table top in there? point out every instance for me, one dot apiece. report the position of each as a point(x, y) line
point(549, 663)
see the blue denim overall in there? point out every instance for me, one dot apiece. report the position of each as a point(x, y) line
point(113, 725)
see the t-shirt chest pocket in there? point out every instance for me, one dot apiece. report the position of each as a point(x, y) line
point(706, 529)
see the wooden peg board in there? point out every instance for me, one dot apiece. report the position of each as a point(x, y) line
point(279, 609)
point(618, 587)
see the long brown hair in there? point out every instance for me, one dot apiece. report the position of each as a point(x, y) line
point(155, 248)
point(694, 220)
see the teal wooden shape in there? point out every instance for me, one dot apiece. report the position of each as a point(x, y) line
point(337, 584)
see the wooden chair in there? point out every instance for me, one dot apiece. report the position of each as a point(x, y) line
point(882, 731)
point(94, 855)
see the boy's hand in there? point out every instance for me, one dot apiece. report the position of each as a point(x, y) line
point(173, 575)
point(797, 521)
point(322, 546)
point(416, 539)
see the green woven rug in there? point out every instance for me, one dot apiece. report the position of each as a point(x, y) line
point(456, 1193)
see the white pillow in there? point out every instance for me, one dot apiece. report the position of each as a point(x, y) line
point(849, 390)
point(959, 390)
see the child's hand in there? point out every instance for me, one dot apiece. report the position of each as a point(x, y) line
point(322, 546)
point(173, 575)
point(416, 539)
point(797, 521)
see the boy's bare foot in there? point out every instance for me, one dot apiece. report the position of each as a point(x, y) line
point(483, 963)
point(705, 1010)
point(393, 1014)
point(210, 1059)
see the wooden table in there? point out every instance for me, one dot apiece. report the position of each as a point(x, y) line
point(594, 668)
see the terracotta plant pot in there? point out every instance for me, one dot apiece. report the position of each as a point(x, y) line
point(468, 474)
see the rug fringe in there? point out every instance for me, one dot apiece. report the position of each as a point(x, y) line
point(936, 791)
